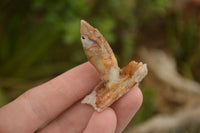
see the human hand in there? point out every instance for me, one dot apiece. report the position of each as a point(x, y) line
point(58, 102)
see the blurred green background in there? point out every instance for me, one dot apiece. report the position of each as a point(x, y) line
point(40, 39)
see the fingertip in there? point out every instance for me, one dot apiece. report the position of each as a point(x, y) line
point(127, 106)
point(102, 122)
point(130, 101)
point(139, 97)
point(108, 114)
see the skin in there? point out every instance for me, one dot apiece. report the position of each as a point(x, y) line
point(58, 103)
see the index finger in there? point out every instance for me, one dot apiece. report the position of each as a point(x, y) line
point(40, 104)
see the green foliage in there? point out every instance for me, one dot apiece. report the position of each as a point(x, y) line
point(3, 98)
point(184, 42)
point(31, 30)
point(146, 9)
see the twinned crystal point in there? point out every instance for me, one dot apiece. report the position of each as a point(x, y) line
point(99, 52)
point(115, 81)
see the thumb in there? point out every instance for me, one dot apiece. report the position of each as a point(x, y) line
point(103, 122)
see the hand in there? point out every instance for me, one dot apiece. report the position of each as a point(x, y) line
point(58, 103)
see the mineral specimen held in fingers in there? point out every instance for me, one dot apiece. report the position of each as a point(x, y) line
point(115, 81)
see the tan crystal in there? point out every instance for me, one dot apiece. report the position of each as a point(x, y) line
point(115, 81)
